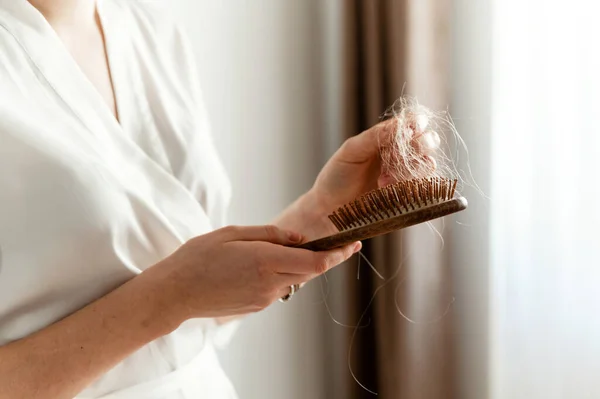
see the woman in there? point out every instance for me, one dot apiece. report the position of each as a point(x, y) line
point(113, 283)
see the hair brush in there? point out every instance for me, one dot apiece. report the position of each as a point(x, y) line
point(390, 208)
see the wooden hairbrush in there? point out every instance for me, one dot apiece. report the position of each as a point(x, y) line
point(390, 208)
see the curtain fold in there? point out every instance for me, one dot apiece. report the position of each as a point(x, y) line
point(393, 47)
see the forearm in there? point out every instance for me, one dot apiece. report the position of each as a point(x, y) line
point(62, 359)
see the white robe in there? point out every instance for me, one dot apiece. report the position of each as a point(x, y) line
point(87, 203)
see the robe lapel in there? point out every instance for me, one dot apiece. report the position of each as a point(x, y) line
point(58, 68)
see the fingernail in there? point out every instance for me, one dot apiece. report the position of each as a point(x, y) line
point(294, 237)
point(431, 161)
point(429, 141)
point(357, 247)
point(422, 122)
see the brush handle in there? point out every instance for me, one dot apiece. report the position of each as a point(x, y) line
point(387, 225)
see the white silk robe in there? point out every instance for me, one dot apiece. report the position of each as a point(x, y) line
point(87, 203)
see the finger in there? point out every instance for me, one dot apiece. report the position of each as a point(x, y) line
point(427, 142)
point(305, 262)
point(367, 144)
point(424, 164)
point(285, 280)
point(268, 233)
point(431, 162)
point(327, 260)
point(285, 290)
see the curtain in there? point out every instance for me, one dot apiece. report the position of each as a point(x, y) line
point(393, 47)
point(544, 200)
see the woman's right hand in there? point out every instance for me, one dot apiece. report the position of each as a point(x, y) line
point(230, 271)
point(238, 270)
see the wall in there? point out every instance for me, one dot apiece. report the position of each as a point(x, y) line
point(260, 67)
point(545, 250)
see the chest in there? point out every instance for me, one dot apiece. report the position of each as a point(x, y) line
point(87, 47)
point(87, 202)
point(155, 172)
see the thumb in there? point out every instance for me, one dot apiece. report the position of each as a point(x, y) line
point(268, 233)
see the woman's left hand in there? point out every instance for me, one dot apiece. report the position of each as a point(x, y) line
point(353, 170)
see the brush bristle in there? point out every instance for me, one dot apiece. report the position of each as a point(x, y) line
point(393, 200)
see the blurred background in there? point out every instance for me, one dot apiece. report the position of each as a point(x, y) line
point(509, 305)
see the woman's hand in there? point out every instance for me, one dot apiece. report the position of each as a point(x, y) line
point(357, 168)
point(238, 270)
point(227, 272)
point(353, 170)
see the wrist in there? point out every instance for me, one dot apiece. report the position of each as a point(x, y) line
point(165, 310)
point(311, 206)
point(307, 215)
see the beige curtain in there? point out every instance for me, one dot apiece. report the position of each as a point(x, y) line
point(391, 46)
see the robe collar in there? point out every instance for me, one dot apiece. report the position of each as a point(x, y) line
point(61, 72)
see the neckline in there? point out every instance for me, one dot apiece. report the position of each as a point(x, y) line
point(109, 50)
point(59, 69)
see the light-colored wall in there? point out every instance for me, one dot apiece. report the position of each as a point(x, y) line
point(260, 66)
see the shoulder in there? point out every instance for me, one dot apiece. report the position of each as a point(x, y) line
point(155, 33)
point(153, 12)
point(152, 18)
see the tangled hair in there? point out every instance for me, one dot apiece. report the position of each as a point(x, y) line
point(419, 146)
